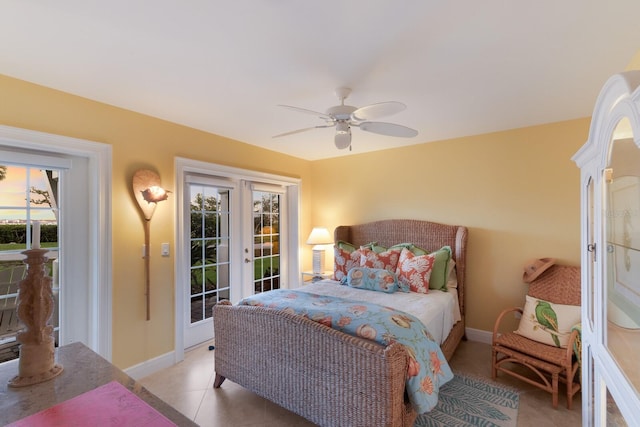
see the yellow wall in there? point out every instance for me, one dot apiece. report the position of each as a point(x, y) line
point(517, 191)
point(138, 141)
point(634, 64)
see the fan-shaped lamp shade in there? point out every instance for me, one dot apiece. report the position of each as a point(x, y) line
point(319, 236)
point(147, 191)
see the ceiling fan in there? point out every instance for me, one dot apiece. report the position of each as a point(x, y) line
point(344, 117)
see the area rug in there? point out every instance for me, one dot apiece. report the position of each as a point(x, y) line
point(472, 401)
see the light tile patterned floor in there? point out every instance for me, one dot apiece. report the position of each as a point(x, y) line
point(188, 386)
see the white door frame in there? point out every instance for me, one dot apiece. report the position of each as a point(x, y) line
point(98, 155)
point(184, 166)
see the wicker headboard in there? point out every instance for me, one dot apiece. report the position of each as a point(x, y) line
point(425, 234)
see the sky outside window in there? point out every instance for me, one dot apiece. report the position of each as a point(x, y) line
point(14, 193)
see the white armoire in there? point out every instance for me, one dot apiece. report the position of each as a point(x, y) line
point(610, 223)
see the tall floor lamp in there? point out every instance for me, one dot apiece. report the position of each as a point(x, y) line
point(319, 237)
point(148, 192)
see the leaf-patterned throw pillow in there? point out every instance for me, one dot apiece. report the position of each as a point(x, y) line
point(414, 271)
point(548, 323)
point(344, 261)
point(387, 260)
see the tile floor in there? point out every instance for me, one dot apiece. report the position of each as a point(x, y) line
point(188, 387)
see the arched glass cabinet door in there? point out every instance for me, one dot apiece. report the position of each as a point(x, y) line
point(589, 297)
point(622, 259)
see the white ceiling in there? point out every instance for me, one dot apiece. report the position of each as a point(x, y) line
point(462, 67)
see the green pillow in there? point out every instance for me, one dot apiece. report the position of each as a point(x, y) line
point(371, 245)
point(349, 247)
point(438, 278)
point(413, 248)
point(375, 247)
point(345, 246)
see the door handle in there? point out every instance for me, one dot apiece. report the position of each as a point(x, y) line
point(247, 260)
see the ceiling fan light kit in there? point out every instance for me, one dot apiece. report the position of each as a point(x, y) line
point(342, 127)
point(344, 117)
point(342, 140)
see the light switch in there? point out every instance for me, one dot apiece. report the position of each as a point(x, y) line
point(165, 249)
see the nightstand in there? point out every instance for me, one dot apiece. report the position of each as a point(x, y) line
point(309, 276)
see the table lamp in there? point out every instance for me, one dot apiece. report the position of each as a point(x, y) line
point(319, 236)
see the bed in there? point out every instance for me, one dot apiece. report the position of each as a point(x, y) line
point(329, 377)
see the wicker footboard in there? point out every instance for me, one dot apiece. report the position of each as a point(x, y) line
point(327, 377)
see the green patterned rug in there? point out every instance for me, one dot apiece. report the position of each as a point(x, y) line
point(471, 401)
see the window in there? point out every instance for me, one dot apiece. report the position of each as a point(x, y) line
point(27, 194)
point(83, 209)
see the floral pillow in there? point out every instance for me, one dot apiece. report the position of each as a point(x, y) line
point(345, 258)
point(547, 322)
point(439, 276)
point(387, 260)
point(373, 279)
point(414, 271)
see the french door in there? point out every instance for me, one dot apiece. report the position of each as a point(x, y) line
point(211, 240)
point(264, 238)
point(236, 231)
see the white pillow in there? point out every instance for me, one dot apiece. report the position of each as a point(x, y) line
point(452, 277)
point(551, 324)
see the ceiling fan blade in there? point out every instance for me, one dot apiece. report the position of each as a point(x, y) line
point(323, 116)
point(375, 111)
point(388, 129)
point(301, 130)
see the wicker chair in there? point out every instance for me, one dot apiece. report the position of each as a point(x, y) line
point(559, 285)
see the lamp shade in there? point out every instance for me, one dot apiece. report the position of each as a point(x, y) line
point(319, 236)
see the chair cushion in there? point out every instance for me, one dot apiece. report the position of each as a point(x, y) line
point(536, 350)
point(547, 322)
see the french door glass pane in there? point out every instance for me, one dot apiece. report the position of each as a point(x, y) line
point(210, 241)
point(614, 417)
point(266, 241)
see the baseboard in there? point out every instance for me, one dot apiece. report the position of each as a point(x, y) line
point(479, 335)
point(151, 366)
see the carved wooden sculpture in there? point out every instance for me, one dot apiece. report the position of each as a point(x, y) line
point(35, 306)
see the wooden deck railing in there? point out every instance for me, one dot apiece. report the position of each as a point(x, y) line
point(9, 280)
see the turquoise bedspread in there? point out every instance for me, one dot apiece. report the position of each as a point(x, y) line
point(428, 369)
